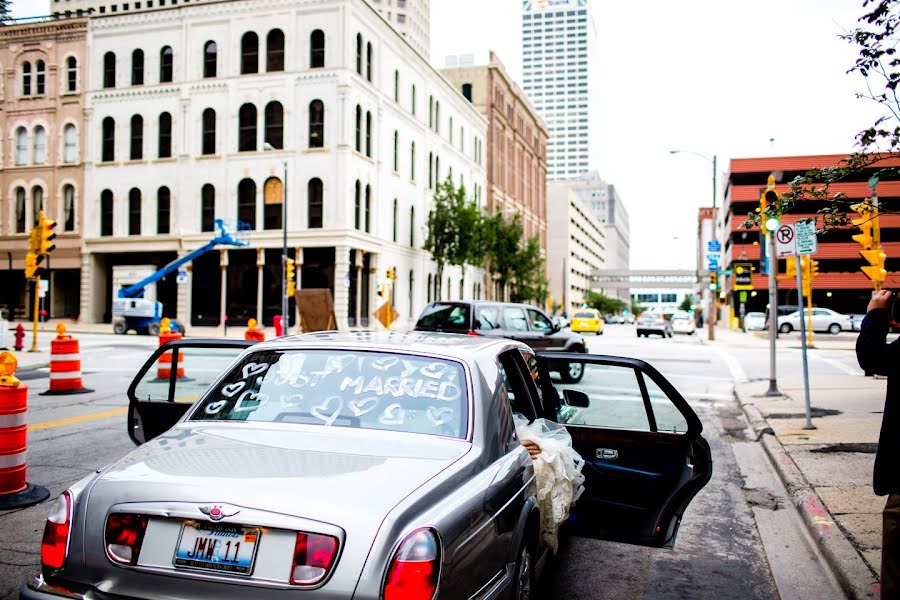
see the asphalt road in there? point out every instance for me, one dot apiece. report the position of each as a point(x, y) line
point(737, 540)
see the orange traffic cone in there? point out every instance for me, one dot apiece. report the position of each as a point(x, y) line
point(254, 333)
point(65, 365)
point(164, 364)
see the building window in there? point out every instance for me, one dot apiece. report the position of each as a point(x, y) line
point(368, 207)
point(317, 49)
point(357, 205)
point(359, 52)
point(314, 203)
point(358, 128)
point(396, 86)
point(163, 209)
point(71, 74)
point(109, 70)
point(137, 67)
point(26, 78)
point(429, 287)
point(247, 128)
point(137, 137)
point(108, 152)
point(207, 208)
point(411, 275)
point(369, 134)
point(68, 208)
point(274, 125)
point(40, 145)
point(412, 161)
point(106, 213)
point(369, 61)
point(451, 130)
point(394, 236)
point(437, 116)
point(39, 76)
point(412, 100)
point(275, 50)
point(20, 210)
point(273, 198)
point(165, 136)
point(165, 64)
point(37, 204)
point(247, 203)
point(430, 170)
point(134, 212)
point(210, 58)
point(316, 124)
point(249, 53)
point(70, 141)
point(467, 91)
point(21, 146)
point(430, 112)
point(208, 134)
point(396, 155)
point(412, 226)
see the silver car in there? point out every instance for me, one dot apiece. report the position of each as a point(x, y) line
point(823, 319)
point(367, 466)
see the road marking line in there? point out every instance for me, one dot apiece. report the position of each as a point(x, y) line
point(839, 365)
point(116, 412)
point(734, 367)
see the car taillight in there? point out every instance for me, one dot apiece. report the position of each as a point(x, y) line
point(473, 333)
point(124, 536)
point(415, 568)
point(55, 542)
point(314, 555)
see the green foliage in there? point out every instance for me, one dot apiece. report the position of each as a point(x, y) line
point(605, 304)
point(441, 239)
point(530, 284)
point(636, 307)
point(5, 8)
point(686, 304)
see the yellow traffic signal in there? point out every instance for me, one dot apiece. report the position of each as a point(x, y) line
point(791, 267)
point(870, 239)
point(713, 282)
point(46, 233)
point(290, 274)
point(34, 240)
point(390, 273)
point(875, 271)
point(769, 196)
point(31, 265)
point(813, 268)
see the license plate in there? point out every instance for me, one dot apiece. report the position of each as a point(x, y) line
point(217, 547)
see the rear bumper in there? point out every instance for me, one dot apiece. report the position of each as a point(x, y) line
point(38, 589)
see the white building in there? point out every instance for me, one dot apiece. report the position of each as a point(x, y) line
point(575, 246)
point(558, 39)
point(180, 106)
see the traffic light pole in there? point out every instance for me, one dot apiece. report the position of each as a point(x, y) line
point(713, 311)
point(773, 314)
point(37, 301)
point(809, 423)
point(285, 302)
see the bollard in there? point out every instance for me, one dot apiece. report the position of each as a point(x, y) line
point(254, 333)
point(15, 491)
point(164, 364)
point(65, 365)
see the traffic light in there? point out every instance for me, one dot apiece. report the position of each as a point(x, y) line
point(769, 196)
point(790, 267)
point(34, 240)
point(380, 291)
point(31, 265)
point(870, 239)
point(875, 271)
point(713, 282)
point(390, 273)
point(46, 234)
point(813, 268)
point(290, 275)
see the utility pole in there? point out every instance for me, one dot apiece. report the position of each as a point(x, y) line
point(713, 312)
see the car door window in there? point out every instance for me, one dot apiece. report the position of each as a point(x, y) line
point(615, 396)
point(515, 319)
point(539, 322)
point(667, 416)
point(195, 369)
point(487, 318)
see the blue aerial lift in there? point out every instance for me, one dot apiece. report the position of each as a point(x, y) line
point(131, 310)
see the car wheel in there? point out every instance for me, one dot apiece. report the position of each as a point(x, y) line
point(598, 333)
point(572, 372)
point(119, 328)
point(524, 575)
point(785, 328)
point(834, 329)
point(153, 329)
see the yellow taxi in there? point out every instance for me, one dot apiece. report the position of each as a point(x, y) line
point(587, 320)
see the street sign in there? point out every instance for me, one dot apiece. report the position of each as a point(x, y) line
point(806, 237)
point(181, 277)
point(785, 241)
point(713, 246)
point(712, 260)
point(743, 276)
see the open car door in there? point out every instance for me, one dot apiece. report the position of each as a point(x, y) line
point(172, 379)
point(645, 457)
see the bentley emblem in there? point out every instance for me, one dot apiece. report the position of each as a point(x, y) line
point(215, 513)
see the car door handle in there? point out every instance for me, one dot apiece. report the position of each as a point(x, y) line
point(607, 454)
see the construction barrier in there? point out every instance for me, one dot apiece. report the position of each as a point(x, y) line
point(65, 365)
point(164, 364)
point(15, 491)
point(254, 333)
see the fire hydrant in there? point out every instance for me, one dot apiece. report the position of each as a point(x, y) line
point(20, 336)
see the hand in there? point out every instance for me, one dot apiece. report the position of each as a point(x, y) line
point(533, 449)
point(880, 300)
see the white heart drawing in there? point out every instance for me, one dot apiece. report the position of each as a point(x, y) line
point(291, 401)
point(214, 407)
point(439, 416)
point(383, 364)
point(258, 401)
point(251, 369)
point(233, 388)
point(323, 411)
point(361, 407)
point(393, 415)
point(434, 370)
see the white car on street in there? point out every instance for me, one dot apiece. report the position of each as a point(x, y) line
point(683, 322)
point(755, 321)
point(823, 319)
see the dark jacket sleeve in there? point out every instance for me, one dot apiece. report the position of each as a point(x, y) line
point(872, 350)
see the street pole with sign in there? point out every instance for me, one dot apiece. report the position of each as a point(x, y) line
point(771, 226)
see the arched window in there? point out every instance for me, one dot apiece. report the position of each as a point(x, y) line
point(412, 226)
point(26, 78)
point(396, 156)
point(273, 203)
point(137, 67)
point(109, 71)
point(247, 202)
point(70, 143)
point(317, 49)
point(164, 149)
point(368, 208)
point(106, 212)
point(40, 145)
point(430, 170)
point(396, 86)
point(21, 146)
point(369, 61)
point(37, 204)
point(163, 209)
point(274, 124)
point(451, 130)
point(247, 128)
point(431, 112)
point(40, 76)
point(20, 210)
point(316, 124)
point(467, 91)
point(207, 208)
point(249, 53)
point(359, 53)
point(394, 229)
point(166, 62)
point(71, 74)
point(358, 128)
point(210, 56)
point(357, 204)
point(437, 170)
point(108, 151)
point(412, 100)
point(68, 208)
point(208, 135)
point(368, 134)
point(137, 138)
point(429, 287)
point(437, 116)
point(412, 161)
point(134, 212)
point(314, 203)
point(275, 50)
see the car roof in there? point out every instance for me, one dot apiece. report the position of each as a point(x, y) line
point(484, 303)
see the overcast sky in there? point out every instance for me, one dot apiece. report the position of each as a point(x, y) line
point(710, 76)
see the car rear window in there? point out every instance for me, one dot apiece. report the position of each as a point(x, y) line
point(584, 315)
point(445, 317)
point(367, 390)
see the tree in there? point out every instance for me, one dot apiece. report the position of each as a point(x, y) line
point(687, 304)
point(501, 239)
point(5, 7)
point(605, 304)
point(455, 230)
point(442, 231)
point(531, 285)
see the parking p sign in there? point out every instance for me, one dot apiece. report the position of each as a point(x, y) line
point(785, 241)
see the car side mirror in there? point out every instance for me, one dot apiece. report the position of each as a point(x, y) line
point(576, 398)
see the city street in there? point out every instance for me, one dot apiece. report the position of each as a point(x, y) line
point(740, 538)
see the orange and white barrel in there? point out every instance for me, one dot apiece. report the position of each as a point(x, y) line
point(13, 405)
point(164, 364)
point(65, 364)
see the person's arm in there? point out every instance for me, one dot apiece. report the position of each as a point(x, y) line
point(873, 352)
point(533, 449)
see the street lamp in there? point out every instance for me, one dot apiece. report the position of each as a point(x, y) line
point(285, 319)
point(711, 321)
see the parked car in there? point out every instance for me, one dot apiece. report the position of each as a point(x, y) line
point(364, 465)
point(587, 320)
point(823, 319)
point(683, 322)
point(856, 320)
point(651, 322)
point(755, 321)
point(613, 319)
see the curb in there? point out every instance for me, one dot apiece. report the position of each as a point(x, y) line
point(854, 575)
